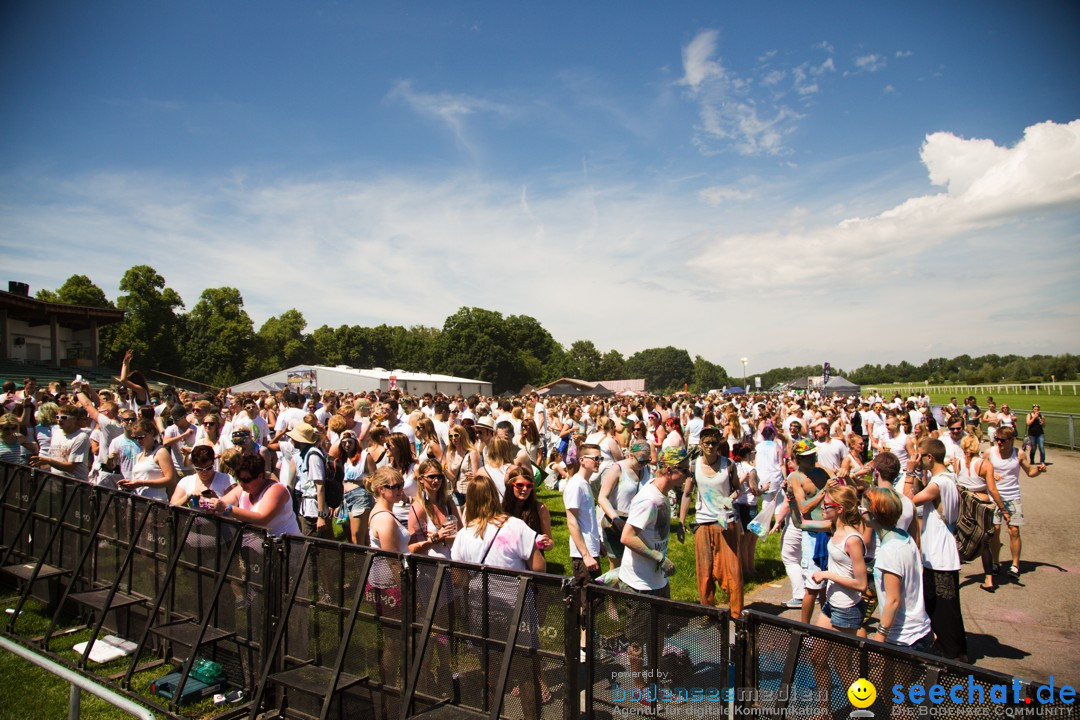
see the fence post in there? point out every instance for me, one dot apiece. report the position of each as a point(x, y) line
point(1072, 433)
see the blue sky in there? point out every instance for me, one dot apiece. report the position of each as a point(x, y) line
point(792, 182)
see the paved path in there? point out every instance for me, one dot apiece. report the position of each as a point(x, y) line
point(1031, 628)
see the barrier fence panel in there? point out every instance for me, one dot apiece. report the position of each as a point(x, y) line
point(463, 619)
point(797, 670)
point(329, 629)
point(339, 646)
point(55, 533)
point(648, 655)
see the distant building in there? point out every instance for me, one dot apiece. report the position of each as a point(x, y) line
point(37, 331)
point(349, 379)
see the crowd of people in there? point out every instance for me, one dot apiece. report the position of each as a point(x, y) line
point(865, 492)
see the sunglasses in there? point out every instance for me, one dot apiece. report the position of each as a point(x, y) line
point(955, 428)
point(523, 485)
point(595, 458)
point(431, 476)
point(395, 486)
point(454, 435)
point(137, 437)
point(63, 417)
point(124, 419)
point(1003, 441)
point(240, 436)
point(830, 506)
point(210, 423)
point(244, 478)
point(204, 468)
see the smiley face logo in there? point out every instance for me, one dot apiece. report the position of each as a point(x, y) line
point(862, 693)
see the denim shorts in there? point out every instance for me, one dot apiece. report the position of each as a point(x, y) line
point(357, 502)
point(848, 618)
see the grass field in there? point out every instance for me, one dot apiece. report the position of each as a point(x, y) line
point(30, 693)
point(1050, 402)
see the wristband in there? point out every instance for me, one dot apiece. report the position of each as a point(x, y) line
point(228, 510)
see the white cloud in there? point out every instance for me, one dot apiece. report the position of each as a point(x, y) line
point(870, 63)
point(449, 108)
point(904, 53)
point(988, 188)
point(408, 249)
point(698, 65)
point(719, 195)
point(732, 114)
point(889, 90)
point(826, 46)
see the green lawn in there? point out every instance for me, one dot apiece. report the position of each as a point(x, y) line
point(1050, 402)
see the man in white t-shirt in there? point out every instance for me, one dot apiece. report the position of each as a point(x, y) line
point(645, 565)
point(581, 521)
point(830, 451)
point(69, 453)
point(939, 503)
point(291, 416)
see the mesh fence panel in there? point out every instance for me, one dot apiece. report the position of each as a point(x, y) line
point(650, 655)
point(20, 483)
point(466, 644)
point(318, 623)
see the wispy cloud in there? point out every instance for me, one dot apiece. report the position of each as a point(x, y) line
point(733, 113)
point(870, 63)
point(412, 248)
point(451, 109)
point(720, 195)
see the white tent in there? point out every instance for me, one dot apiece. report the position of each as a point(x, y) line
point(349, 379)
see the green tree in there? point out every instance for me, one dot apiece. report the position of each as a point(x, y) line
point(612, 366)
point(77, 290)
point(664, 369)
point(707, 375)
point(474, 343)
point(281, 343)
point(219, 337)
point(584, 361)
point(151, 326)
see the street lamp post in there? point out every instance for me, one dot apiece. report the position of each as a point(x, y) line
point(744, 361)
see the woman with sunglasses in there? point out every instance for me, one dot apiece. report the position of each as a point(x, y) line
point(14, 447)
point(435, 519)
point(153, 475)
point(462, 461)
point(427, 441)
point(257, 500)
point(530, 441)
point(356, 501)
point(521, 502)
point(400, 450)
point(211, 433)
point(846, 576)
point(205, 482)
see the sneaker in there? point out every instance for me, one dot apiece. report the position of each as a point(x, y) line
point(1014, 572)
point(793, 603)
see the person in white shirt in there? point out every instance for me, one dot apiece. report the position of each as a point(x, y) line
point(939, 502)
point(645, 566)
point(69, 450)
point(830, 451)
point(898, 575)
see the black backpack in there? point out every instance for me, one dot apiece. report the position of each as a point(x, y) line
point(334, 484)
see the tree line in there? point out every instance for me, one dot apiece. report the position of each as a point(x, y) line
point(216, 342)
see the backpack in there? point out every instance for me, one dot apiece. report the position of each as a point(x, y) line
point(974, 525)
point(334, 484)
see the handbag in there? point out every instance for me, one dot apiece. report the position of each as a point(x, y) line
point(974, 526)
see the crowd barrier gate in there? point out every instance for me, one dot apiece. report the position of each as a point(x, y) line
point(320, 628)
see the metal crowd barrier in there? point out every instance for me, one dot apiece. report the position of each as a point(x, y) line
point(320, 628)
point(652, 656)
point(785, 668)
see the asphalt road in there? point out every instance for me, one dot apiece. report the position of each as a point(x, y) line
point(1029, 628)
